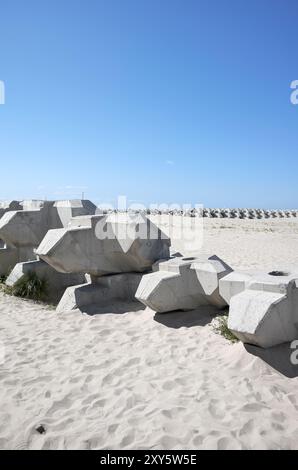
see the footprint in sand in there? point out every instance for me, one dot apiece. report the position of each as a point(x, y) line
point(133, 362)
point(197, 441)
point(169, 385)
point(253, 407)
point(168, 442)
point(247, 428)
point(225, 443)
point(216, 410)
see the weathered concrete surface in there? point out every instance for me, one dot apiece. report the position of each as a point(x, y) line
point(234, 283)
point(101, 245)
point(56, 283)
point(102, 292)
point(210, 270)
point(263, 307)
point(22, 230)
point(68, 209)
point(6, 206)
point(183, 284)
point(8, 259)
point(238, 281)
point(28, 227)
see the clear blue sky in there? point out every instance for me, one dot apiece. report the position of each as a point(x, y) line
point(164, 101)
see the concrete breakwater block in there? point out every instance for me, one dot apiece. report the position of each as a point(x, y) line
point(56, 283)
point(101, 292)
point(102, 245)
point(263, 306)
point(183, 284)
point(24, 224)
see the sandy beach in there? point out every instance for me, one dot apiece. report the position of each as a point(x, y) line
point(127, 378)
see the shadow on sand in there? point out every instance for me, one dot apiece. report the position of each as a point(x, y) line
point(278, 357)
point(198, 317)
point(117, 307)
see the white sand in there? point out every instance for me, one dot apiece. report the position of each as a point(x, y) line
point(136, 380)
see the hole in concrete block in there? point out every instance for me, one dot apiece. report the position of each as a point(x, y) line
point(278, 273)
point(188, 259)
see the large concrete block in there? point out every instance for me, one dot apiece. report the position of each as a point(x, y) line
point(6, 206)
point(102, 292)
point(27, 227)
point(263, 307)
point(101, 245)
point(183, 284)
point(56, 283)
point(22, 229)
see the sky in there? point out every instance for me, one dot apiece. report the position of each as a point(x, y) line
point(162, 101)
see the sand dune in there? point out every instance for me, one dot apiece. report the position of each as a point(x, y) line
point(139, 380)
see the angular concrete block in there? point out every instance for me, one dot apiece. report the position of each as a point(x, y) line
point(23, 228)
point(263, 307)
point(183, 284)
point(56, 282)
point(6, 206)
point(27, 227)
point(234, 283)
point(101, 245)
point(262, 318)
point(102, 292)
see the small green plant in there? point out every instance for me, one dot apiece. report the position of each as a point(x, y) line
point(221, 328)
point(30, 286)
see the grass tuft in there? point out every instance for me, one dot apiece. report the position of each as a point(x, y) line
point(29, 286)
point(221, 328)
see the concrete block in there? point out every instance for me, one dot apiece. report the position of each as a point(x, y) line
point(183, 284)
point(101, 245)
point(22, 229)
point(263, 306)
point(101, 292)
point(27, 227)
point(56, 282)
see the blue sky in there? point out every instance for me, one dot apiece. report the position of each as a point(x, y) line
point(164, 101)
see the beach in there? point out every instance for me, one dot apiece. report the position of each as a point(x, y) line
point(127, 378)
